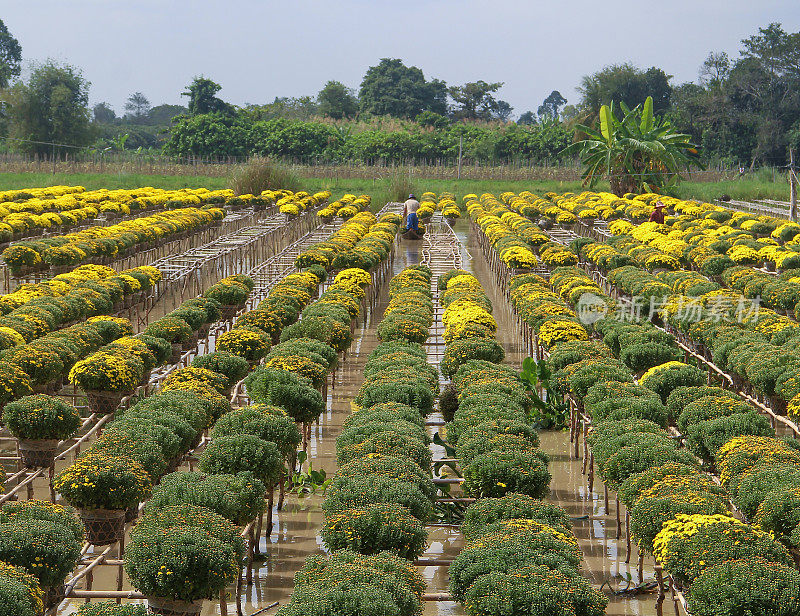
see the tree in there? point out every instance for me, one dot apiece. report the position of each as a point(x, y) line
point(103, 113)
point(137, 107)
point(715, 69)
point(475, 101)
point(627, 84)
point(527, 118)
point(52, 107)
point(10, 56)
point(202, 97)
point(551, 106)
point(337, 101)
point(161, 115)
point(392, 88)
point(639, 152)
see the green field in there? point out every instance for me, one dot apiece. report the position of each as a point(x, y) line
point(755, 186)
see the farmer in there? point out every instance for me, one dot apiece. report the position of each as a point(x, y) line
point(410, 213)
point(658, 213)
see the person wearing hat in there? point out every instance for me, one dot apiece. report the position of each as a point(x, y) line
point(658, 213)
point(410, 213)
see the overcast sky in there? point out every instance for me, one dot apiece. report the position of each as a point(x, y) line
point(260, 49)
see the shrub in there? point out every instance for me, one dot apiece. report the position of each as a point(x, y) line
point(388, 411)
point(460, 351)
point(533, 590)
point(497, 473)
point(286, 390)
point(402, 469)
point(280, 430)
point(171, 329)
point(247, 342)
point(243, 452)
point(111, 608)
point(375, 528)
point(663, 379)
point(486, 511)
point(194, 409)
point(43, 510)
point(351, 583)
point(386, 442)
point(20, 593)
point(643, 356)
point(218, 404)
point(353, 492)
point(212, 380)
point(759, 481)
point(227, 294)
point(636, 484)
point(239, 498)
point(107, 371)
point(41, 417)
point(194, 516)
point(160, 348)
point(751, 587)
point(102, 481)
point(655, 507)
point(169, 443)
point(141, 449)
point(500, 553)
point(689, 544)
point(200, 565)
point(47, 549)
point(706, 437)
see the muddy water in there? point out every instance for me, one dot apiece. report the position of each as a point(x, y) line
point(295, 535)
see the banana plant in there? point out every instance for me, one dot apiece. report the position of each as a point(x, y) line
point(637, 151)
point(549, 410)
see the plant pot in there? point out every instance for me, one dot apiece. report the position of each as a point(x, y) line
point(188, 345)
point(103, 526)
point(450, 221)
point(104, 402)
point(21, 271)
point(145, 378)
point(172, 607)
point(37, 453)
point(177, 351)
point(61, 269)
point(203, 331)
point(52, 595)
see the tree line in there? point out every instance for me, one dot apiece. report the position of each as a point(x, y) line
point(740, 111)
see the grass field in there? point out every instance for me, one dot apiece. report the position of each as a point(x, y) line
point(759, 185)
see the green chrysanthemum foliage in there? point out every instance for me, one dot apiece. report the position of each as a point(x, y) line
point(486, 511)
point(239, 498)
point(531, 591)
point(351, 584)
point(255, 420)
point(352, 492)
point(750, 587)
point(497, 473)
point(402, 469)
point(376, 528)
point(286, 390)
point(185, 563)
point(243, 452)
point(111, 608)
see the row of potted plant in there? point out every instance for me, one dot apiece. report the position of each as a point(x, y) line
point(106, 243)
point(382, 495)
point(345, 207)
point(668, 496)
point(341, 241)
point(509, 529)
point(293, 204)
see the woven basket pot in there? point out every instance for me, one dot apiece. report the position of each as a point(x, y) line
point(37, 453)
point(103, 526)
point(104, 402)
point(171, 607)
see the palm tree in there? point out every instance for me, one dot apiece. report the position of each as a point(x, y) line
point(639, 153)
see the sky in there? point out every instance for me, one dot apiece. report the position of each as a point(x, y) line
point(260, 49)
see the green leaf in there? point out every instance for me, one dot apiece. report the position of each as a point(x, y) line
point(647, 115)
point(606, 122)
